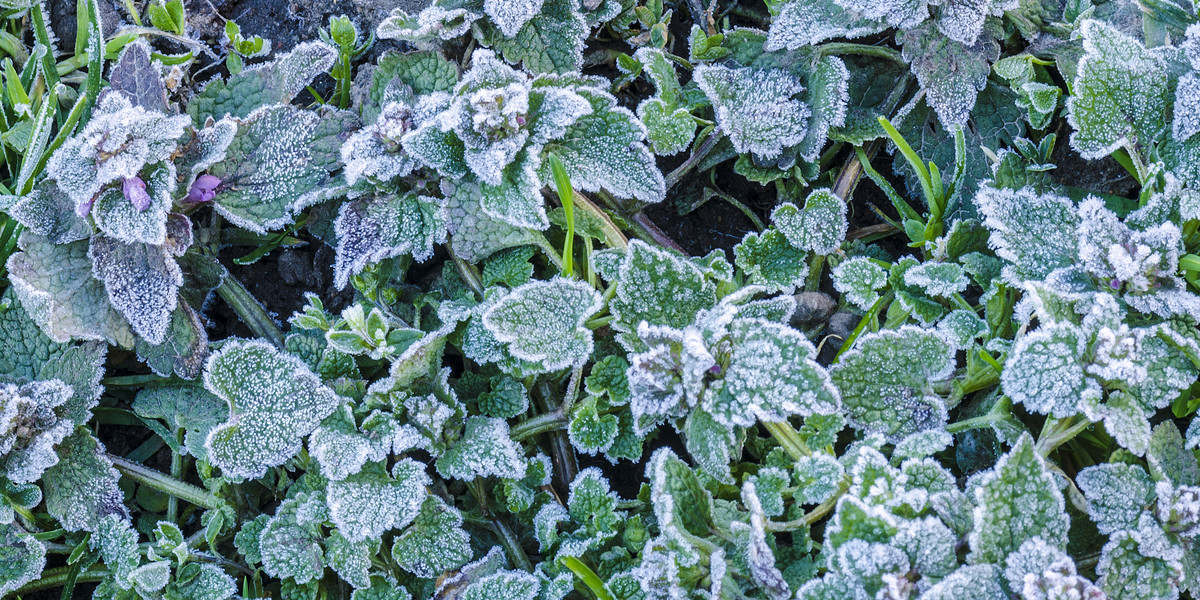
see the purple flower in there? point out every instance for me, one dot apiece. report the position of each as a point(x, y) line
point(135, 192)
point(204, 189)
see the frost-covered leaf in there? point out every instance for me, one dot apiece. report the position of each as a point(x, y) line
point(544, 322)
point(1187, 108)
point(117, 542)
point(858, 280)
point(435, 542)
point(605, 149)
point(1034, 232)
point(275, 82)
point(660, 288)
point(1120, 92)
point(143, 281)
point(1016, 501)
point(432, 25)
point(275, 401)
point(483, 450)
point(475, 235)
point(82, 488)
point(1125, 419)
point(818, 478)
point(424, 72)
point(820, 227)
point(771, 375)
point(507, 398)
point(1117, 494)
point(549, 42)
point(381, 589)
point(713, 445)
point(22, 558)
point(802, 23)
point(200, 582)
point(505, 585)
point(951, 74)
point(887, 381)
point(185, 344)
point(1127, 574)
point(757, 108)
point(351, 560)
point(50, 212)
point(290, 549)
point(33, 420)
point(134, 76)
point(368, 503)
point(1168, 459)
point(770, 260)
point(940, 279)
point(589, 431)
point(269, 171)
point(1044, 371)
point(55, 286)
point(971, 582)
point(370, 229)
point(828, 98)
point(375, 152)
point(511, 15)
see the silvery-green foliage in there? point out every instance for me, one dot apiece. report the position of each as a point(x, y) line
point(818, 478)
point(757, 108)
point(34, 418)
point(1034, 232)
point(951, 72)
point(1125, 573)
point(119, 218)
point(435, 542)
point(117, 143)
point(342, 447)
point(368, 503)
point(544, 322)
point(22, 557)
point(941, 279)
point(591, 432)
point(377, 226)
point(1018, 500)
point(660, 288)
point(970, 582)
point(1119, 93)
point(81, 489)
point(483, 450)
point(859, 280)
point(889, 380)
point(771, 260)
point(48, 211)
point(474, 235)
point(289, 547)
point(1186, 113)
point(273, 82)
point(376, 152)
point(432, 25)
point(670, 126)
point(820, 227)
point(117, 542)
point(667, 379)
point(274, 399)
point(1117, 494)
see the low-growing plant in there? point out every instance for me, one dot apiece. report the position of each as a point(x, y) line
point(982, 388)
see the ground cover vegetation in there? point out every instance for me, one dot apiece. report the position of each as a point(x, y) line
point(938, 365)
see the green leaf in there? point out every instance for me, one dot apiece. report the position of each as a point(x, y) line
point(951, 74)
point(270, 170)
point(22, 558)
point(770, 260)
point(607, 377)
point(483, 450)
point(435, 542)
point(1120, 93)
point(55, 286)
point(505, 585)
point(143, 281)
point(819, 228)
point(275, 401)
point(82, 488)
point(276, 82)
point(550, 42)
point(827, 96)
point(510, 267)
point(970, 582)
point(185, 343)
point(1117, 495)
point(544, 322)
point(887, 380)
point(858, 280)
point(1125, 573)
point(369, 503)
point(1167, 458)
point(713, 445)
point(660, 288)
point(290, 549)
point(757, 108)
point(200, 582)
point(474, 235)
point(1044, 371)
point(117, 542)
point(188, 407)
point(1035, 233)
point(424, 72)
point(1016, 501)
point(818, 478)
point(373, 228)
point(351, 560)
point(589, 431)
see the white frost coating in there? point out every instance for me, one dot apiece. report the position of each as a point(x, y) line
point(758, 552)
point(756, 107)
point(511, 15)
point(1044, 372)
point(474, 235)
point(1117, 494)
point(818, 478)
point(118, 141)
point(970, 582)
point(275, 401)
point(962, 327)
point(1187, 108)
point(484, 450)
point(375, 227)
point(901, 14)
point(142, 281)
point(545, 322)
point(433, 23)
point(803, 23)
point(666, 380)
point(1034, 232)
point(375, 151)
point(820, 227)
point(367, 504)
point(962, 20)
point(938, 278)
point(30, 427)
point(1120, 92)
point(1179, 509)
point(858, 279)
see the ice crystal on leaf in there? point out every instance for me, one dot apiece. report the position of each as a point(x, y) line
point(858, 280)
point(432, 24)
point(951, 73)
point(116, 144)
point(274, 82)
point(1119, 93)
point(368, 503)
point(888, 380)
point(22, 558)
point(758, 108)
point(435, 542)
point(143, 281)
point(275, 401)
point(544, 322)
point(1125, 573)
point(800, 23)
point(1044, 372)
point(474, 234)
point(970, 582)
point(818, 478)
point(771, 260)
point(371, 228)
point(81, 489)
point(34, 418)
point(1034, 232)
point(290, 548)
point(511, 15)
point(1117, 495)
point(940, 279)
point(820, 227)
point(1018, 500)
point(668, 378)
point(376, 151)
point(660, 288)
point(483, 450)
point(670, 126)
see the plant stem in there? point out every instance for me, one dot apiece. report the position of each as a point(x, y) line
point(512, 545)
point(249, 310)
point(58, 576)
point(177, 473)
point(839, 48)
point(867, 318)
point(816, 266)
point(787, 437)
point(165, 483)
point(653, 234)
point(745, 210)
point(1058, 432)
point(694, 159)
point(587, 576)
point(551, 421)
